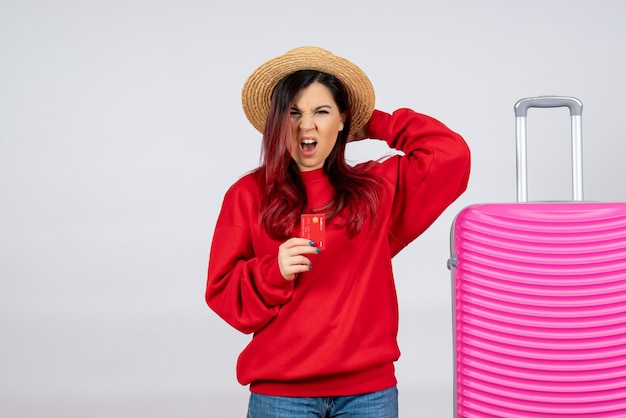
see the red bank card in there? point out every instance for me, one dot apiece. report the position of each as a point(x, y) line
point(314, 228)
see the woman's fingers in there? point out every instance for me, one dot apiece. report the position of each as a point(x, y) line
point(292, 257)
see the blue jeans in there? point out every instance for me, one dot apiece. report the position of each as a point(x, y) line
point(381, 404)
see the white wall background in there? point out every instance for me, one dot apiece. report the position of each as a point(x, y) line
point(121, 128)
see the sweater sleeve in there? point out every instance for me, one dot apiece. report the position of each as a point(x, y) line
point(432, 173)
point(243, 288)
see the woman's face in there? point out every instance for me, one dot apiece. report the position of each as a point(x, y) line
point(315, 124)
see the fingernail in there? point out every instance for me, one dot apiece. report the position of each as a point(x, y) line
point(310, 266)
point(317, 250)
point(311, 243)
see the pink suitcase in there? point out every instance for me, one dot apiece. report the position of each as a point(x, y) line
point(539, 299)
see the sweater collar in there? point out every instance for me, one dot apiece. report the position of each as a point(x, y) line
point(313, 175)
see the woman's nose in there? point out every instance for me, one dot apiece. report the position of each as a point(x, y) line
point(306, 123)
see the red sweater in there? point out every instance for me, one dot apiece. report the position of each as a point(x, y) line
point(332, 331)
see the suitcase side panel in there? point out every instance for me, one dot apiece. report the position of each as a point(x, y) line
point(539, 299)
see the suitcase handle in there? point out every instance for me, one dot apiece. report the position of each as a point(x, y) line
point(522, 106)
point(521, 112)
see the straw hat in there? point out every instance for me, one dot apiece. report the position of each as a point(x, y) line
point(257, 90)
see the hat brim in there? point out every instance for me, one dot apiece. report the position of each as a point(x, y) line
point(257, 90)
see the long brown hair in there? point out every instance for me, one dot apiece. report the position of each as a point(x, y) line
point(357, 190)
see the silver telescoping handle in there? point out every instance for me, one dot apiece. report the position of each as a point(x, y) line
point(521, 111)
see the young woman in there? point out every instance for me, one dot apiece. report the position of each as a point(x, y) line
point(324, 315)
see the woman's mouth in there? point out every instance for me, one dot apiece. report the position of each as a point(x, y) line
point(307, 146)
